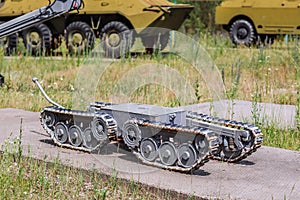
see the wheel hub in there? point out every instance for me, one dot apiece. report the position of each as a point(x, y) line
point(75, 136)
point(34, 38)
point(167, 153)
point(131, 134)
point(187, 155)
point(89, 140)
point(149, 149)
point(61, 133)
point(77, 39)
point(114, 39)
point(242, 33)
point(98, 129)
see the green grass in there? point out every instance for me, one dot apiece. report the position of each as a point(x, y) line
point(28, 178)
point(270, 74)
point(257, 75)
point(282, 138)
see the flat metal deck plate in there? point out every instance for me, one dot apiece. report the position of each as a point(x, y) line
point(144, 109)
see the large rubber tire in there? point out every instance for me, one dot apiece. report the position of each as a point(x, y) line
point(37, 39)
point(117, 39)
point(9, 43)
point(242, 32)
point(80, 38)
point(155, 42)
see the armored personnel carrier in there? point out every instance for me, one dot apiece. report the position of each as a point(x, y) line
point(169, 138)
point(109, 19)
point(250, 22)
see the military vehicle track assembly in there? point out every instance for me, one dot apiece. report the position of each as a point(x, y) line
point(248, 136)
point(59, 124)
point(168, 138)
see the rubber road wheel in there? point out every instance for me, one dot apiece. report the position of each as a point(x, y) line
point(242, 32)
point(9, 43)
point(117, 39)
point(80, 38)
point(155, 42)
point(37, 39)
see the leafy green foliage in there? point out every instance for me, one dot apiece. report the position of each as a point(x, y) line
point(202, 18)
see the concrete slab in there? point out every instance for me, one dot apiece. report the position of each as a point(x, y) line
point(270, 173)
point(283, 116)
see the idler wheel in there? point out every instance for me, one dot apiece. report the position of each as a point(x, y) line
point(149, 149)
point(49, 119)
point(75, 136)
point(167, 153)
point(61, 132)
point(99, 129)
point(187, 155)
point(131, 134)
point(201, 144)
point(89, 140)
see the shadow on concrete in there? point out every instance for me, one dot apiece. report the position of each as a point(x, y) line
point(124, 154)
point(245, 162)
point(200, 172)
point(47, 141)
point(39, 133)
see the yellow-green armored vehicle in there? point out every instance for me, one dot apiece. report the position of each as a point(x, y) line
point(98, 18)
point(249, 21)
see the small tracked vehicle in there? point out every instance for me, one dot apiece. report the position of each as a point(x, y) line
point(169, 138)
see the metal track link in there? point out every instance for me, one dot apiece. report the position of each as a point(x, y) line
point(210, 137)
point(73, 113)
point(252, 129)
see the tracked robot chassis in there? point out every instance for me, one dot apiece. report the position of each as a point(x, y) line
point(168, 138)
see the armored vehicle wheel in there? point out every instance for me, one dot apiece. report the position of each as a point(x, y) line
point(99, 129)
point(167, 153)
point(75, 136)
point(89, 140)
point(149, 149)
point(117, 39)
point(242, 32)
point(155, 43)
point(37, 39)
point(61, 132)
point(131, 134)
point(9, 43)
point(80, 38)
point(187, 155)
